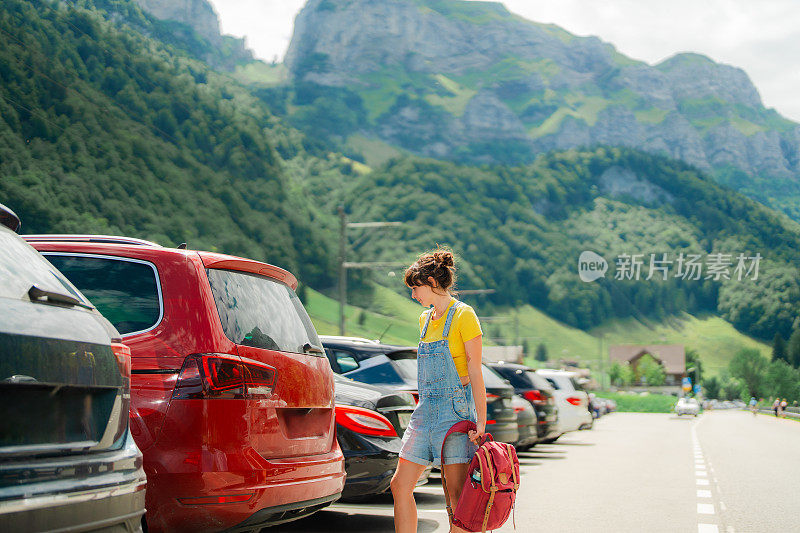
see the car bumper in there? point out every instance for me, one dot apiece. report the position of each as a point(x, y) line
point(112, 499)
point(272, 491)
point(370, 462)
point(504, 432)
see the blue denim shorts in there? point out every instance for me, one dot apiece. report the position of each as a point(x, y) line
point(432, 419)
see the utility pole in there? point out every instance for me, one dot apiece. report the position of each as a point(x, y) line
point(344, 264)
point(342, 268)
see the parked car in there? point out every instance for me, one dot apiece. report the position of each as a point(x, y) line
point(396, 367)
point(232, 400)
point(501, 420)
point(687, 406)
point(370, 422)
point(374, 363)
point(572, 401)
point(526, 423)
point(537, 390)
point(597, 406)
point(67, 459)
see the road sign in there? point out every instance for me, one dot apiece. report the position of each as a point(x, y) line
point(696, 388)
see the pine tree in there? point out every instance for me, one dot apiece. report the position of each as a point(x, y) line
point(541, 353)
point(779, 348)
point(793, 349)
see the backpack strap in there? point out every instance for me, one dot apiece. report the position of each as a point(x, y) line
point(459, 427)
point(513, 468)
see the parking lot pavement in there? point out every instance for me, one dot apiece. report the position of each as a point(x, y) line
point(377, 515)
point(723, 472)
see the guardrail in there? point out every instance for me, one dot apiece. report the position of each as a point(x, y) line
point(791, 414)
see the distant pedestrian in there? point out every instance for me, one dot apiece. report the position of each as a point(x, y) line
point(783, 408)
point(753, 405)
point(776, 406)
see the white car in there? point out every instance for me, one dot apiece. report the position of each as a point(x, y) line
point(571, 400)
point(687, 406)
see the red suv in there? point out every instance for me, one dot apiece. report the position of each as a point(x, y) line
point(232, 397)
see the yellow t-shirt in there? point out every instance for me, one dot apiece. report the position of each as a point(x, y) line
point(465, 327)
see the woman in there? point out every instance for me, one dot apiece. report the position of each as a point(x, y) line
point(451, 389)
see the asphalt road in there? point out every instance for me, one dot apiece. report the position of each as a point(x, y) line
point(725, 471)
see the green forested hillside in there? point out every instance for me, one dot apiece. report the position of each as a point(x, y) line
point(521, 230)
point(105, 131)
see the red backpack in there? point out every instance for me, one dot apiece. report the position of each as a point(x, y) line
point(491, 485)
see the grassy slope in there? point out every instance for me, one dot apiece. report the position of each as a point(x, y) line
point(715, 339)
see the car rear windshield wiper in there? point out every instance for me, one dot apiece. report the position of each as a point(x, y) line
point(38, 295)
point(308, 348)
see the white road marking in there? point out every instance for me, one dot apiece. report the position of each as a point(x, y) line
point(730, 529)
point(699, 473)
point(705, 508)
point(702, 481)
point(703, 493)
point(707, 528)
point(722, 506)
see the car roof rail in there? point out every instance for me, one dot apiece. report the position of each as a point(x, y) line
point(105, 239)
point(9, 218)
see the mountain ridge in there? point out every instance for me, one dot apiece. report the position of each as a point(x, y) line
point(471, 82)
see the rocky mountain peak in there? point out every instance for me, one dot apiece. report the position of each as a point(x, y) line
point(695, 76)
point(470, 81)
point(199, 14)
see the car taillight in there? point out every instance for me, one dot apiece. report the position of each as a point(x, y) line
point(416, 396)
point(534, 396)
point(519, 409)
point(123, 355)
point(490, 422)
point(491, 397)
point(206, 376)
point(574, 400)
point(364, 421)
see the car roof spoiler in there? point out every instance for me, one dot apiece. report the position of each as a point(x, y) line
point(9, 218)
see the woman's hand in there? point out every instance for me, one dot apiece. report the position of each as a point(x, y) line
point(476, 436)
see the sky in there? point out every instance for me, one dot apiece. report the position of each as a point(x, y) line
point(760, 36)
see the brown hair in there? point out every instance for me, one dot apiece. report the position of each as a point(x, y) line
point(439, 265)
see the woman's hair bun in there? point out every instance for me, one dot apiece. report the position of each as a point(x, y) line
point(443, 258)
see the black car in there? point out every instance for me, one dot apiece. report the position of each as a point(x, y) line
point(534, 388)
point(370, 422)
point(501, 420)
point(67, 458)
point(374, 363)
point(396, 367)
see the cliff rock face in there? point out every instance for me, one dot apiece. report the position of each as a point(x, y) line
point(462, 80)
point(199, 16)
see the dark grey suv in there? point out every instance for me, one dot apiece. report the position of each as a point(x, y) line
point(67, 459)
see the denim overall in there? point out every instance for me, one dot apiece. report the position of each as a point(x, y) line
point(443, 401)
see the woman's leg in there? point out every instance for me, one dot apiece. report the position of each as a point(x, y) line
point(403, 483)
point(455, 475)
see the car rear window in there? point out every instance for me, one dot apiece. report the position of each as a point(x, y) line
point(126, 291)
point(492, 378)
point(21, 267)
point(260, 312)
point(407, 368)
point(538, 381)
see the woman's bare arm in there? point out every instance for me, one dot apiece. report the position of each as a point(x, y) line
point(474, 349)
